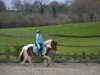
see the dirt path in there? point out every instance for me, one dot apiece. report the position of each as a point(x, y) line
point(54, 69)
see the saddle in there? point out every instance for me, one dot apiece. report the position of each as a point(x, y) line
point(40, 51)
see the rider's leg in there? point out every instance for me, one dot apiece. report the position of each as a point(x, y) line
point(38, 45)
point(41, 47)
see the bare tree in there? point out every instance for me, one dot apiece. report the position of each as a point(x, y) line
point(27, 6)
point(54, 6)
point(69, 2)
point(40, 5)
point(16, 5)
point(86, 9)
point(2, 6)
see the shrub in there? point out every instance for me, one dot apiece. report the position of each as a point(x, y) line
point(27, 20)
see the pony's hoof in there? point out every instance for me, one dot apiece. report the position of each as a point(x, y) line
point(22, 63)
point(47, 65)
point(31, 65)
point(50, 61)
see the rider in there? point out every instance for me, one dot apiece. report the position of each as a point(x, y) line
point(39, 41)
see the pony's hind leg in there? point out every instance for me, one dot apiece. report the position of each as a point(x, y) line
point(24, 59)
point(29, 58)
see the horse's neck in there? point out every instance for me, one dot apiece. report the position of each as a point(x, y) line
point(48, 43)
point(47, 51)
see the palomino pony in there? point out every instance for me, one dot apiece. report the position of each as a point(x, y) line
point(27, 52)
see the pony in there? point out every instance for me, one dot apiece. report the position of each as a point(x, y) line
point(27, 52)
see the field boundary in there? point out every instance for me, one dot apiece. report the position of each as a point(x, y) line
point(74, 57)
point(13, 54)
point(50, 35)
point(74, 36)
point(64, 45)
point(59, 58)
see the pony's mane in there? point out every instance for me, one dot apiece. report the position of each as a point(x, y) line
point(48, 41)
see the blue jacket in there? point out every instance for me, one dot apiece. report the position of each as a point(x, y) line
point(39, 38)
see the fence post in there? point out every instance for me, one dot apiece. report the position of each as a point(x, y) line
point(98, 54)
point(7, 51)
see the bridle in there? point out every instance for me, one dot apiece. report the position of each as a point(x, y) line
point(53, 45)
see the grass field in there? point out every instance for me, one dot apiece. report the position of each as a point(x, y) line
point(66, 29)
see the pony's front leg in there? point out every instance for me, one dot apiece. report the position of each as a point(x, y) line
point(47, 60)
point(47, 57)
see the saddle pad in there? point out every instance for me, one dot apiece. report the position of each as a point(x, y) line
point(35, 49)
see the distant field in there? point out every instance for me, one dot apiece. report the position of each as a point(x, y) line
point(66, 29)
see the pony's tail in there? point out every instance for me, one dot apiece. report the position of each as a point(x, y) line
point(21, 57)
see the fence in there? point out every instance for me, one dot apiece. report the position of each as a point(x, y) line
point(49, 35)
point(56, 57)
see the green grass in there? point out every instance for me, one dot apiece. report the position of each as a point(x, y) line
point(66, 29)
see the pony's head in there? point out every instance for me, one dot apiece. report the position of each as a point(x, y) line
point(51, 44)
